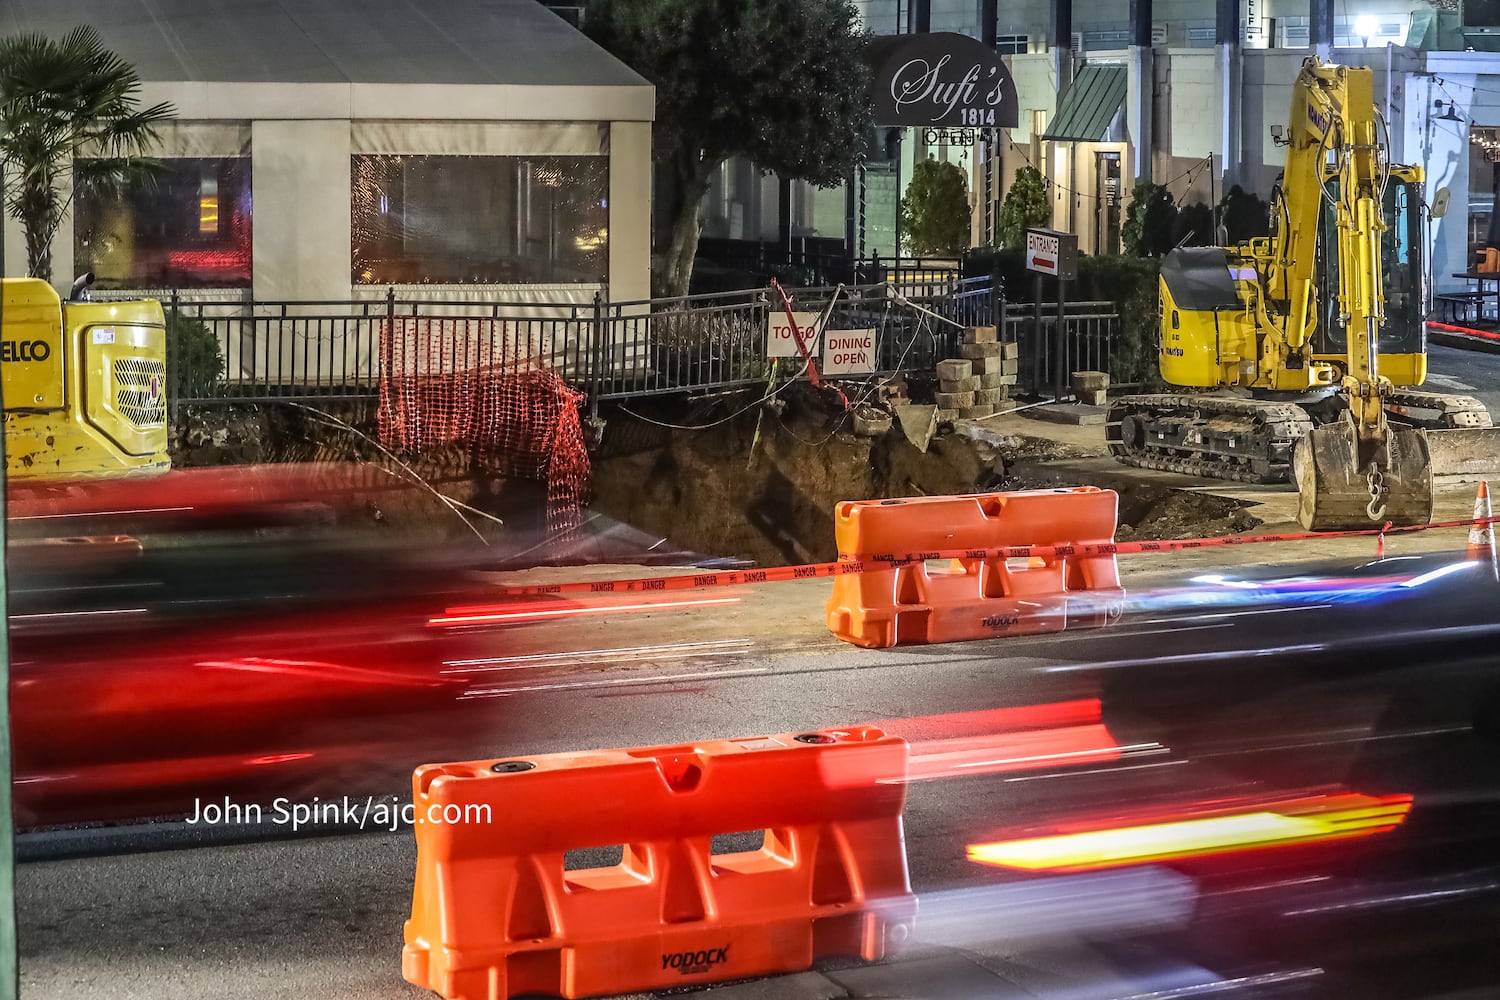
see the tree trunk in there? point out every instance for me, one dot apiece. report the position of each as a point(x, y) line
point(687, 226)
point(38, 256)
point(37, 208)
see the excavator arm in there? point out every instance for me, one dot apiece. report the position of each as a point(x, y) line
point(1317, 97)
point(1360, 470)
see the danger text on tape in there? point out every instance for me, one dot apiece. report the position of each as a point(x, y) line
point(774, 574)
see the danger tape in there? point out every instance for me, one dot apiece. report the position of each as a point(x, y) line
point(1467, 331)
point(812, 571)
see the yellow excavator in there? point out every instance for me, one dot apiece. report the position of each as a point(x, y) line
point(84, 383)
point(1303, 348)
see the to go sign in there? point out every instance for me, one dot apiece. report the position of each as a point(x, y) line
point(781, 342)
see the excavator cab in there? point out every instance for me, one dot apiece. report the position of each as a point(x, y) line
point(1403, 339)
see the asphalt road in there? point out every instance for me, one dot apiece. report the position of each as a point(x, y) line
point(321, 917)
point(1475, 373)
point(1411, 916)
point(317, 918)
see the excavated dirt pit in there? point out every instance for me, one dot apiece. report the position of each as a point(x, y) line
point(751, 482)
point(762, 484)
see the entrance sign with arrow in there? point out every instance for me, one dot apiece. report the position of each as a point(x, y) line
point(1051, 252)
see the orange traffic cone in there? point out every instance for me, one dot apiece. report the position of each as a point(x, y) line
point(1482, 536)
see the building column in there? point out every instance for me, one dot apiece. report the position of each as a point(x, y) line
point(1060, 156)
point(629, 211)
point(15, 246)
point(1062, 44)
point(920, 16)
point(1140, 92)
point(987, 153)
point(300, 172)
point(1230, 73)
point(784, 215)
point(1320, 28)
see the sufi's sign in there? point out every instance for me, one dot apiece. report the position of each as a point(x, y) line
point(941, 80)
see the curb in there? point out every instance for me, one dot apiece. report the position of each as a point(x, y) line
point(1463, 339)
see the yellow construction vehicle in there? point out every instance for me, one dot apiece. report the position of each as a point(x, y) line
point(1310, 339)
point(84, 383)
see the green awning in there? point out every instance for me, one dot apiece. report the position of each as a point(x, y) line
point(1090, 104)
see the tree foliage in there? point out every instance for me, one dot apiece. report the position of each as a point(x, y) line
point(782, 82)
point(1025, 207)
point(935, 213)
point(1131, 283)
point(1244, 215)
point(1193, 226)
point(1148, 223)
point(60, 99)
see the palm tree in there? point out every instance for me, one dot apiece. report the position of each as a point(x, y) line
point(67, 108)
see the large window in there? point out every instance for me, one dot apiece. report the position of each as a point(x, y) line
point(184, 225)
point(1484, 190)
point(1401, 272)
point(480, 219)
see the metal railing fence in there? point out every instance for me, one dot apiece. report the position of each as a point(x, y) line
point(1047, 360)
point(317, 351)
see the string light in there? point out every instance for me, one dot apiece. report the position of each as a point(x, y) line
point(1488, 140)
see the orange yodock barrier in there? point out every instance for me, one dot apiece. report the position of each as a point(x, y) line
point(979, 597)
point(496, 913)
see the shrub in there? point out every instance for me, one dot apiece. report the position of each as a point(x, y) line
point(694, 348)
point(1148, 223)
point(1131, 284)
point(1194, 226)
point(1245, 215)
point(935, 209)
point(1025, 207)
point(195, 363)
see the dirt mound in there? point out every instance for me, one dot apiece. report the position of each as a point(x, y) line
point(1153, 514)
point(1148, 512)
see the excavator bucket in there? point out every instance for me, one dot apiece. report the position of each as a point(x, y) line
point(1334, 483)
point(1465, 451)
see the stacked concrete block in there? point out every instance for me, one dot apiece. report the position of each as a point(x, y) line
point(1091, 387)
point(957, 384)
point(991, 365)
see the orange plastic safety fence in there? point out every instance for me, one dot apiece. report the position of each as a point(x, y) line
point(976, 596)
point(482, 382)
point(497, 911)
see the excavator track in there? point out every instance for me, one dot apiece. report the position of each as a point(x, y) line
point(1251, 441)
point(1217, 437)
point(1436, 410)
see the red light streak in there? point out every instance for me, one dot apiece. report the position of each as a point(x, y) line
point(509, 612)
point(279, 758)
point(1001, 740)
point(998, 740)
